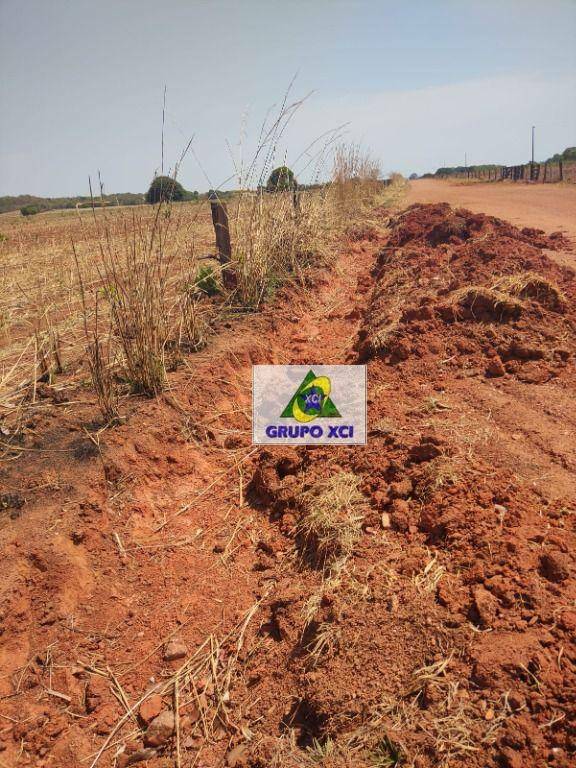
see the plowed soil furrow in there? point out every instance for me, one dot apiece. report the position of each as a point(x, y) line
point(444, 636)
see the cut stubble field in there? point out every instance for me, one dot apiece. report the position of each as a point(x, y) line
point(174, 596)
point(41, 313)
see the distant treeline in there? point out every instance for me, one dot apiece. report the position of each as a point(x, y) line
point(20, 202)
point(569, 154)
point(454, 170)
point(31, 204)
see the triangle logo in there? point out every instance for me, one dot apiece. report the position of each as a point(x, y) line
point(311, 400)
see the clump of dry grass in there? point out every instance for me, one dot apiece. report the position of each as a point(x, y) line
point(454, 725)
point(428, 579)
point(481, 303)
point(330, 521)
point(275, 239)
point(143, 289)
point(355, 180)
point(277, 236)
point(530, 285)
point(436, 474)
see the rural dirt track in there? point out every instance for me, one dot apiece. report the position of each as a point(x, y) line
point(449, 639)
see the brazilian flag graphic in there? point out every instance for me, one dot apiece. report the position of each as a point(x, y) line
point(311, 400)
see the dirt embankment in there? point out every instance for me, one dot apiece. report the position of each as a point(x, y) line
point(410, 602)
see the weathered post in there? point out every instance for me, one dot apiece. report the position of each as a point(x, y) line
point(222, 233)
point(296, 201)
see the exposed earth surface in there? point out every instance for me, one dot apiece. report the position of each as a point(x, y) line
point(160, 604)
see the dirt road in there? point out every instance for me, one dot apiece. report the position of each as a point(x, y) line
point(549, 207)
point(161, 560)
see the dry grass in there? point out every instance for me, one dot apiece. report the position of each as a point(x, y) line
point(330, 521)
point(530, 285)
point(275, 240)
point(40, 299)
point(355, 181)
point(436, 474)
point(348, 752)
point(428, 580)
point(277, 236)
point(203, 681)
point(479, 302)
point(454, 726)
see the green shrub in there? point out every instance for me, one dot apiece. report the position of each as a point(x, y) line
point(30, 210)
point(206, 281)
point(281, 179)
point(165, 189)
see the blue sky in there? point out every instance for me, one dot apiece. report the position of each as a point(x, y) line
point(418, 82)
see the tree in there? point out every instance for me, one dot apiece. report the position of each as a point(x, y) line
point(281, 179)
point(30, 210)
point(568, 154)
point(165, 189)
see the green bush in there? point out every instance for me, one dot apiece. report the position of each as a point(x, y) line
point(206, 281)
point(30, 210)
point(165, 189)
point(281, 179)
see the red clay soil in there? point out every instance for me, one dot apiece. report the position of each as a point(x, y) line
point(547, 206)
point(449, 637)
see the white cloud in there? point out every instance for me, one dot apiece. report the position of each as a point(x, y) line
point(420, 130)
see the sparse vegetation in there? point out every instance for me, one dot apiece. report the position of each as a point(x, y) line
point(479, 302)
point(330, 520)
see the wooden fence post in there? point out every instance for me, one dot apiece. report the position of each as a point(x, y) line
point(296, 202)
point(560, 170)
point(222, 233)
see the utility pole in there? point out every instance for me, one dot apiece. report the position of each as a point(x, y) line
point(532, 145)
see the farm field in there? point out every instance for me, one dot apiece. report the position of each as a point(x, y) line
point(41, 308)
point(164, 603)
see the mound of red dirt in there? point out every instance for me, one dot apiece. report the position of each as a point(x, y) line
point(455, 284)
